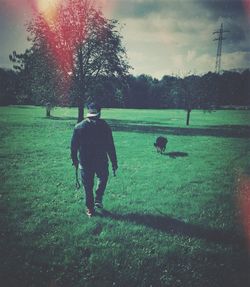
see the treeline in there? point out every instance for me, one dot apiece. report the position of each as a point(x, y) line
point(209, 90)
point(206, 91)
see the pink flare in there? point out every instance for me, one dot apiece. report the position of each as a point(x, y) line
point(246, 4)
point(244, 202)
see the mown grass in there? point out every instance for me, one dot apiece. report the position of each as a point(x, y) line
point(170, 220)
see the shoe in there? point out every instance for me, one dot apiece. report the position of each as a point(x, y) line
point(99, 205)
point(90, 212)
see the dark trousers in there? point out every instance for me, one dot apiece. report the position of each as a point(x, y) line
point(88, 174)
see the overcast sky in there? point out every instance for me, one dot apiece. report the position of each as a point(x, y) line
point(162, 37)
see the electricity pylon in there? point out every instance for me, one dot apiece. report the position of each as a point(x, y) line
point(219, 48)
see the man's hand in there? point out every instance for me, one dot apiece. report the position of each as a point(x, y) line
point(114, 168)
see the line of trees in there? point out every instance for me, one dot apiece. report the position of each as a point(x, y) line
point(143, 91)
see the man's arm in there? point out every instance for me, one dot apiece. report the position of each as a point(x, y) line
point(74, 148)
point(111, 150)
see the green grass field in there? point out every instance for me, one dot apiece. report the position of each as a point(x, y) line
point(171, 220)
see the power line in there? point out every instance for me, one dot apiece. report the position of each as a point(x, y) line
point(219, 48)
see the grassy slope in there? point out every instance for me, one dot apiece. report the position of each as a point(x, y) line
point(171, 221)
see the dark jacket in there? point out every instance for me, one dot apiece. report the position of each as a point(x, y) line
point(94, 141)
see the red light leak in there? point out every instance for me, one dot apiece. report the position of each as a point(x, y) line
point(58, 33)
point(63, 33)
point(243, 189)
point(246, 4)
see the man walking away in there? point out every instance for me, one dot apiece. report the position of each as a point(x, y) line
point(93, 139)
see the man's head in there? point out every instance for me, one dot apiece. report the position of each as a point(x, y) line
point(94, 110)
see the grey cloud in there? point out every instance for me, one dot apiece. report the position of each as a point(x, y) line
point(224, 8)
point(4, 61)
point(237, 33)
point(143, 8)
point(135, 9)
point(213, 9)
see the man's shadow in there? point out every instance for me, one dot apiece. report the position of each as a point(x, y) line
point(177, 227)
point(175, 154)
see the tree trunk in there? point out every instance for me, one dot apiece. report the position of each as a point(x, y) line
point(80, 113)
point(48, 109)
point(188, 117)
point(80, 86)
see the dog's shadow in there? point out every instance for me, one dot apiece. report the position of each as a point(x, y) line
point(175, 154)
point(176, 227)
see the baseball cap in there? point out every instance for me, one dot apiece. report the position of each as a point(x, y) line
point(93, 110)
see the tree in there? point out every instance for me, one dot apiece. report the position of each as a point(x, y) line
point(23, 76)
point(170, 87)
point(8, 87)
point(84, 44)
point(246, 87)
point(103, 91)
point(191, 94)
point(39, 80)
point(210, 90)
point(45, 81)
